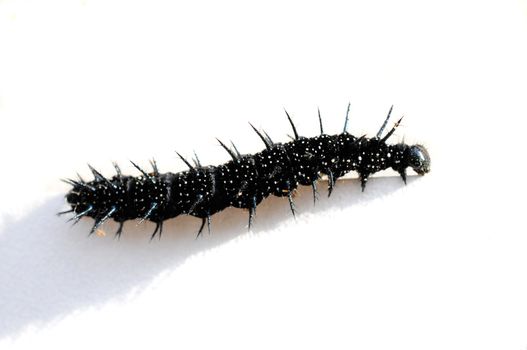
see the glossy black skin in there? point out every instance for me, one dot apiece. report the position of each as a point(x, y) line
point(242, 182)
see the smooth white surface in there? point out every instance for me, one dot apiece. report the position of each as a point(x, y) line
point(440, 263)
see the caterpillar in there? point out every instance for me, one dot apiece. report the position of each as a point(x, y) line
point(244, 181)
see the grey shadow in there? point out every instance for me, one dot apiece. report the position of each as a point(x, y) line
point(50, 270)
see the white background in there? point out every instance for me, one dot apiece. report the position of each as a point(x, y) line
point(440, 263)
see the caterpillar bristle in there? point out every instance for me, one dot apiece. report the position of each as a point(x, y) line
point(101, 221)
point(236, 150)
point(97, 175)
point(78, 216)
point(267, 142)
point(345, 130)
point(117, 170)
point(315, 192)
point(395, 126)
point(144, 173)
point(65, 212)
point(205, 220)
point(71, 182)
point(292, 125)
point(271, 143)
point(320, 122)
point(159, 228)
point(119, 230)
point(196, 160)
point(379, 133)
point(185, 161)
point(155, 170)
point(148, 213)
point(291, 204)
point(231, 153)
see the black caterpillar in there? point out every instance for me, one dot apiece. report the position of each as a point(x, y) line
point(242, 182)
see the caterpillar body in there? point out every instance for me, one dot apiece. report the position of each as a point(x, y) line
point(242, 182)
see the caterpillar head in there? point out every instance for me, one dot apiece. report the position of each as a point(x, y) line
point(419, 159)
